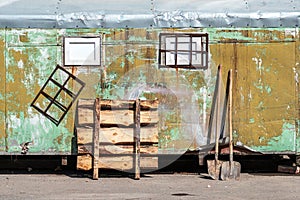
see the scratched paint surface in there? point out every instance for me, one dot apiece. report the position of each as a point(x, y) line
point(265, 63)
point(31, 56)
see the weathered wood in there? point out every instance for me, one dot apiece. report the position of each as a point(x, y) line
point(128, 105)
point(84, 162)
point(127, 149)
point(116, 135)
point(125, 117)
point(117, 114)
point(117, 149)
point(85, 116)
point(96, 139)
point(118, 145)
point(149, 104)
point(84, 135)
point(86, 103)
point(126, 162)
point(136, 138)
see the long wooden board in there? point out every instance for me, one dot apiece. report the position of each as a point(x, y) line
point(114, 115)
point(84, 162)
point(125, 117)
point(117, 135)
point(126, 162)
point(110, 149)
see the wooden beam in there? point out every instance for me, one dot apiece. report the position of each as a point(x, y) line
point(96, 139)
point(125, 117)
point(137, 145)
point(117, 135)
point(111, 149)
point(125, 163)
point(128, 105)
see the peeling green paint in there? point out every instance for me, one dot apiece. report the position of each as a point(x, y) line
point(258, 57)
point(282, 143)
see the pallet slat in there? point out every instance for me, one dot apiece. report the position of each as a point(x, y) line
point(125, 117)
point(117, 149)
point(84, 162)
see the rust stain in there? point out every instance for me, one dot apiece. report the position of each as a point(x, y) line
point(24, 37)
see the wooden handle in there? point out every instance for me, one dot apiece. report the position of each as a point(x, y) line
point(230, 117)
point(217, 102)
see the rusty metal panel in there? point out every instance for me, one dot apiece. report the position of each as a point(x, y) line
point(271, 97)
point(28, 65)
point(148, 13)
point(265, 63)
point(266, 100)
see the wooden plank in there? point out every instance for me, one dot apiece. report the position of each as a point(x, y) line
point(85, 116)
point(128, 104)
point(117, 149)
point(116, 104)
point(149, 113)
point(84, 135)
point(127, 149)
point(125, 117)
point(84, 162)
point(149, 104)
point(116, 135)
point(126, 162)
point(86, 103)
point(96, 138)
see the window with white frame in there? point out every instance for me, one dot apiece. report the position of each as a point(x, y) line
point(183, 50)
point(82, 51)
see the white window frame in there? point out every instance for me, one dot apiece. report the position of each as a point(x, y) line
point(82, 51)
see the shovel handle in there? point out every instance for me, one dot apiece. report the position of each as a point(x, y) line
point(230, 118)
point(217, 102)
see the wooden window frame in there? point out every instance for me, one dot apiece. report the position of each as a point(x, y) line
point(201, 49)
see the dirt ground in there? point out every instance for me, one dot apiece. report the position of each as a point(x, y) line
point(151, 186)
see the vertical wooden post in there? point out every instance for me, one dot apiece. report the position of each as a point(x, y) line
point(96, 132)
point(136, 138)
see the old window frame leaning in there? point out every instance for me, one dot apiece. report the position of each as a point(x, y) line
point(183, 50)
point(56, 97)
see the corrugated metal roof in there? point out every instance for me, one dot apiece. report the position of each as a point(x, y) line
point(148, 13)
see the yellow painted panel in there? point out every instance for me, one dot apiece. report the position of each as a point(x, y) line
point(271, 94)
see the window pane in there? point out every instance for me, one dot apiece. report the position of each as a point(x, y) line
point(196, 44)
point(162, 58)
point(183, 58)
point(170, 58)
point(196, 58)
point(170, 43)
point(183, 43)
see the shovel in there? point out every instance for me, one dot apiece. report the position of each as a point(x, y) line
point(231, 169)
point(213, 166)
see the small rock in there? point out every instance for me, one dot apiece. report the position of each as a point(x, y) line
point(209, 186)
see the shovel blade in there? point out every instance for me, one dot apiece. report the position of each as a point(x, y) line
point(230, 172)
point(214, 168)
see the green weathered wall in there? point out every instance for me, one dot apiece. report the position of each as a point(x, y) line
point(265, 64)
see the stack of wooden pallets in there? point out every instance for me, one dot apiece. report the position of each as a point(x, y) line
point(116, 134)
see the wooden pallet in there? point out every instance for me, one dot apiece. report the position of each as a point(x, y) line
point(120, 135)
